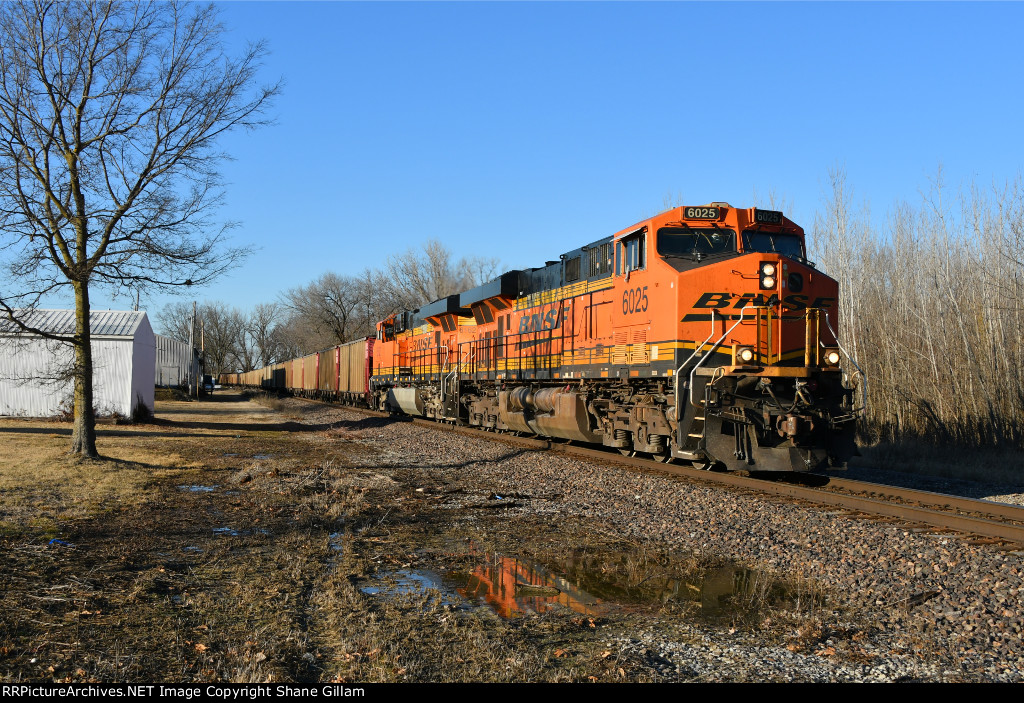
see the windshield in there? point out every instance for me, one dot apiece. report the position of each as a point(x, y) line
point(687, 241)
point(786, 244)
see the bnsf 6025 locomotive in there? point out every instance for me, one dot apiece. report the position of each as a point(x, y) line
point(702, 334)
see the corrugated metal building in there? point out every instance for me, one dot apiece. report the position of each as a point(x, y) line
point(172, 362)
point(35, 378)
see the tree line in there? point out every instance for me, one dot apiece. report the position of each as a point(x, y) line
point(333, 309)
point(932, 309)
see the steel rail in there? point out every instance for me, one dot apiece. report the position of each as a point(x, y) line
point(1005, 511)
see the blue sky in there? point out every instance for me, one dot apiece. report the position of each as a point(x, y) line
point(522, 130)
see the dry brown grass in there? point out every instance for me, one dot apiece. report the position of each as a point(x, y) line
point(43, 485)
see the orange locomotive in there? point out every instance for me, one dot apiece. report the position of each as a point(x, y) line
point(702, 334)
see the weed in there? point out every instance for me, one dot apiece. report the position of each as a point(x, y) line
point(141, 413)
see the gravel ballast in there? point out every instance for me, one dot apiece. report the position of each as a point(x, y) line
point(924, 607)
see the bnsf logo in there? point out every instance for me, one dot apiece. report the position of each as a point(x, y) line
point(725, 300)
point(543, 320)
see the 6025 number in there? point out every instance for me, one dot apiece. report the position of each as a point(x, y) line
point(634, 300)
point(702, 213)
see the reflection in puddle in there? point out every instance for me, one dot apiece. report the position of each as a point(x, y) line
point(722, 591)
point(592, 584)
point(512, 587)
point(197, 489)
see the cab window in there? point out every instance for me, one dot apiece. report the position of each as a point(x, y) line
point(631, 253)
point(690, 241)
point(789, 245)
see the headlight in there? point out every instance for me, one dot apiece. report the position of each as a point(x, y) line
point(744, 355)
point(768, 268)
point(767, 275)
point(767, 282)
point(832, 357)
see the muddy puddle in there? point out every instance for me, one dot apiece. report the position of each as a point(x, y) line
point(589, 585)
point(336, 541)
point(235, 532)
point(413, 582)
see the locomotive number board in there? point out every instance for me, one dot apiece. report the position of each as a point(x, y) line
point(767, 217)
point(703, 212)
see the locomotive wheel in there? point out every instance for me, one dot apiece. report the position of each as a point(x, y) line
point(701, 465)
point(665, 458)
point(627, 452)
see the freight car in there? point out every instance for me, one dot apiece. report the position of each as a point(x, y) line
point(702, 334)
point(340, 374)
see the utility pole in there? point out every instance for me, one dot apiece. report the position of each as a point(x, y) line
point(193, 365)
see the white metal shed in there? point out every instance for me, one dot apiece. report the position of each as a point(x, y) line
point(34, 371)
point(174, 360)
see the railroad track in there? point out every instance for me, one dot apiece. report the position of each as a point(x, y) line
point(996, 524)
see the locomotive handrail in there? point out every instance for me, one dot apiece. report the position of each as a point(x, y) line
point(420, 358)
point(693, 371)
point(458, 365)
point(696, 350)
point(863, 377)
point(440, 371)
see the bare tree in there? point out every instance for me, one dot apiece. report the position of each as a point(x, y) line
point(175, 321)
point(326, 307)
point(232, 340)
point(220, 328)
point(336, 309)
point(109, 118)
point(930, 303)
point(474, 270)
point(262, 332)
point(414, 278)
point(294, 338)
